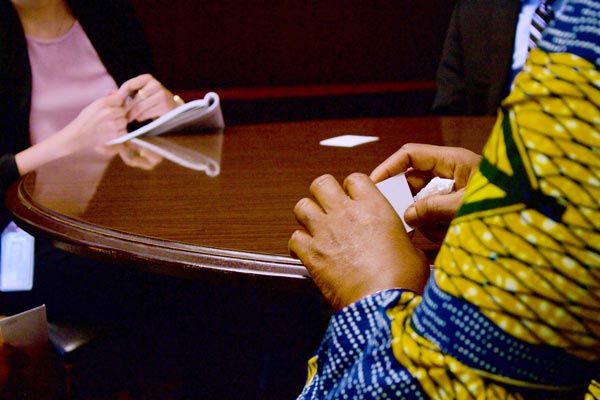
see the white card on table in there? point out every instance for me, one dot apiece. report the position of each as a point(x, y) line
point(397, 192)
point(348, 140)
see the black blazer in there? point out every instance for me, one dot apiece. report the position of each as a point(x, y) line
point(119, 41)
point(473, 75)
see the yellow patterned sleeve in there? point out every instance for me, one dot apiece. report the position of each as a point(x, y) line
point(514, 305)
point(512, 310)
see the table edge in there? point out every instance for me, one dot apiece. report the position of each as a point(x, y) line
point(160, 255)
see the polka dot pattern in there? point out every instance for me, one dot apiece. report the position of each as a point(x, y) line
point(355, 360)
point(534, 271)
point(512, 310)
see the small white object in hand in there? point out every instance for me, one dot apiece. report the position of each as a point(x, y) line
point(436, 186)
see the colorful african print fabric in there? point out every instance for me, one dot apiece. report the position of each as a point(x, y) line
point(512, 310)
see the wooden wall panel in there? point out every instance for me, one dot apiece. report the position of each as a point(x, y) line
point(244, 43)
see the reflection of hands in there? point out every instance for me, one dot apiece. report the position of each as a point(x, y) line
point(134, 155)
point(422, 162)
point(353, 242)
point(138, 157)
point(150, 99)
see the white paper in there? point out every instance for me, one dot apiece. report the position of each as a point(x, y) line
point(348, 140)
point(183, 156)
point(28, 328)
point(436, 186)
point(397, 192)
point(204, 112)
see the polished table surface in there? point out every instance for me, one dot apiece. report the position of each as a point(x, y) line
point(226, 211)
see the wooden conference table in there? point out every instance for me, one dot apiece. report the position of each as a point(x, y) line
point(227, 214)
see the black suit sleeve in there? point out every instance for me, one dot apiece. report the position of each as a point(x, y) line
point(450, 97)
point(8, 174)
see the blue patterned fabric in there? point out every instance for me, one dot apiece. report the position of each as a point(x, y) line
point(355, 358)
point(512, 310)
point(575, 31)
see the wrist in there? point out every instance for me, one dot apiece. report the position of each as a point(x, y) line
point(64, 142)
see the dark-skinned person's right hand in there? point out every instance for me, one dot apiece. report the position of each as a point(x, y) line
point(353, 243)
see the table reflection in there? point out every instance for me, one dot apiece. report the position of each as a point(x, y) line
point(201, 154)
point(217, 202)
point(58, 188)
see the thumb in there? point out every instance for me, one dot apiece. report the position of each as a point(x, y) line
point(433, 209)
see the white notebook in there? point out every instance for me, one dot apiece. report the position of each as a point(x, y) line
point(204, 112)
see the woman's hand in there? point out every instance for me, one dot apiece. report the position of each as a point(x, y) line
point(149, 99)
point(353, 242)
point(103, 120)
point(422, 162)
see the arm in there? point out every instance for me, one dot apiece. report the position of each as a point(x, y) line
point(9, 173)
point(99, 122)
point(515, 282)
point(102, 120)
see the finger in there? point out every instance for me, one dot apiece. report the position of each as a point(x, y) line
point(116, 99)
point(152, 157)
point(328, 192)
point(140, 96)
point(422, 157)
point(134, 84)
point(127, 154)
point(298, 244)
point(359, 186)
point(121, 126)
point(112, 121)
point(143, 163)
point(464, 170)
point(144, 111)
point(149, 90)
point(393, 165)
point(437, 208)
point(112, 100)
point(308, 213)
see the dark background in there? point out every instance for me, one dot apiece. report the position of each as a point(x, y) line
point(277, 60)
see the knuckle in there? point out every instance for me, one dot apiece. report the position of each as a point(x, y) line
point(355, 177)
point(293, 240)
point(428, 205)
point(321, 181)
point(300, 206)
point(408, 147)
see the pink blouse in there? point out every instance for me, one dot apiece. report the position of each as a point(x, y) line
point(67, 75)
